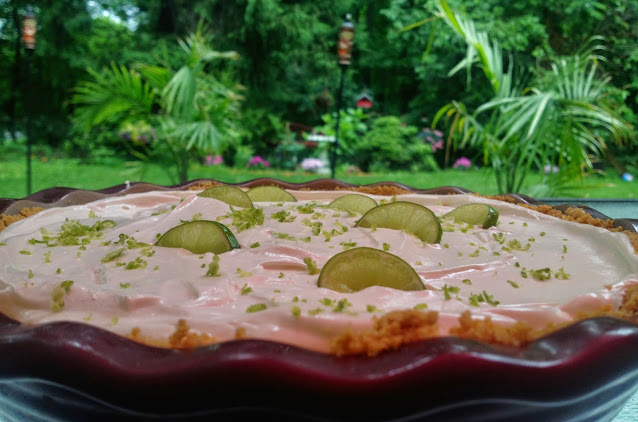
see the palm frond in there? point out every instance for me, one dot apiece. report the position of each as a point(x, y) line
point(179, 93)
point(200, 135)
point(115, 94)
point(156, 76)
point(489, 54)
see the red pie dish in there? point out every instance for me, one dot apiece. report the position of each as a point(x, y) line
point(75, 371)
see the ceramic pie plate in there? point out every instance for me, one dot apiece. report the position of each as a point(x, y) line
point(68, 371)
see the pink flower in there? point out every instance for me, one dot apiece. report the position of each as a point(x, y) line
point(462, 162)
point(437, 145)
point(213, 161)
point(257, 161)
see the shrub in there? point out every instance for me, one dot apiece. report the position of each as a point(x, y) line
point(390, 144)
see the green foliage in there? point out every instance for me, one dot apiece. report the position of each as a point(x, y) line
point(523, 128)
point(191, 110)
point(353, 123)
point(261, 129)
point(119, 94)
point(289, 151)
point(390, 144)
point(289, 68)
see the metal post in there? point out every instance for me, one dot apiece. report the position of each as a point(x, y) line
point(27, 106)
point(335, 145)
point(29, 29)
point(344, 56)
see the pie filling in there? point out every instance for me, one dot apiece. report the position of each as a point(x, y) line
point(97, 264)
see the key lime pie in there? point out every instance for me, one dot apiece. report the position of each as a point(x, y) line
point(331, 271)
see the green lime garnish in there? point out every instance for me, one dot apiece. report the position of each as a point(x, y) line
point(270, 194)
point(410, 217)
point(359, 268)
point(353, 203)
point(228, 194)
point(475, 214)
point(199, 237)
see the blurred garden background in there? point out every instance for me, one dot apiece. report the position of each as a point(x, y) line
point(531, 96)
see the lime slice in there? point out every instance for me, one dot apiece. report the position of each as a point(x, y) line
point(353, 203)
point(359, 268)
point(410, 217)
point(199, 237)
point(228, 194)
point(474, 214)
point(270, 194)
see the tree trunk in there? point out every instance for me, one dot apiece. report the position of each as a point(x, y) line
point(182, 166)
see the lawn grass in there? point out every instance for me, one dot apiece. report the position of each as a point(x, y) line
point(70, 172)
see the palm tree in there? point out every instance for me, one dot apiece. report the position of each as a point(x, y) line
point(190, 109)
point(521, 128)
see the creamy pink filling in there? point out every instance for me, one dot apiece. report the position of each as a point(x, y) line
point(467, 263)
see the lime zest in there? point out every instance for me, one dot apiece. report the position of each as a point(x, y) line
point(482, 297)
point(296, 311)
point(561, 274)
point(342, 305)
point(283, 216)
point(257, 307)
point(312, 266)
point(243, 274)
point(112, 255)
point(447, 290)
point(285, 236)
point(137, 263)
point(315, 226)
point(348, 245)
point(213, 267)
point(58, 293)
point(246, 218)
point(308, 208)
point(246, 289)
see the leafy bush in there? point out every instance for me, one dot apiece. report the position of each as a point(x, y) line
point(260, 129)
point(190, 112)
point(352, 125)
point(561, 121)
point(390, 145)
